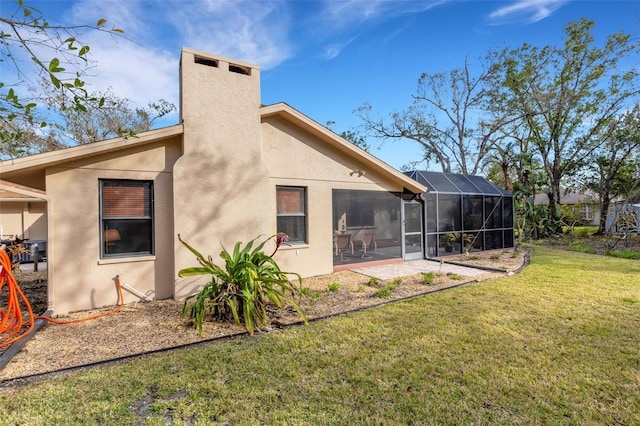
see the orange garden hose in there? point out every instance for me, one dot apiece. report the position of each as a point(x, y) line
point(13, 325)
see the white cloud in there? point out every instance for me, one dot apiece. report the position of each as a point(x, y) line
point(143, 64)
point(528, 11)
point(331, 51)
point(133, 66)
point(345, 13)
point(126, 15)
point(251, 31)
point(340, 20)
point(137, 73)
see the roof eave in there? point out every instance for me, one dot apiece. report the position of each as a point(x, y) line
point(48, 159)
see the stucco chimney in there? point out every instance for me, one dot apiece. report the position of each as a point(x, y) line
point(220, 182)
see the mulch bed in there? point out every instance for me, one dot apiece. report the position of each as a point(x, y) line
point(151, 326)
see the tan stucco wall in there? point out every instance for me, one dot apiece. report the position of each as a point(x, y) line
point(25, 219)
point(295, 157)
point(214, 183)
point(221, 185)
point(78, 278)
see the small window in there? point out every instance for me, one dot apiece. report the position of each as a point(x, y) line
point(291, 212)
point(126, 216)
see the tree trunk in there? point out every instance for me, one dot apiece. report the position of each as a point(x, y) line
point(604, 212)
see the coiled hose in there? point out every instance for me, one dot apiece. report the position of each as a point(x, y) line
point(13, 325)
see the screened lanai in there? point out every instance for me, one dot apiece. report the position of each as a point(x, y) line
point(464, 213)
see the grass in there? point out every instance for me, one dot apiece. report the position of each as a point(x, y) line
point(623, 254)
point(581, 248)
point(555, 344)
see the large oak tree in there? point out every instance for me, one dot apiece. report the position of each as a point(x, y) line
point(566, 97)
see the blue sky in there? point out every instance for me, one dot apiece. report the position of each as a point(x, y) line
point(324, 58)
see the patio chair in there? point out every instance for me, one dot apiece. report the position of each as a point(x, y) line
point(343, 243)
point(367, 242)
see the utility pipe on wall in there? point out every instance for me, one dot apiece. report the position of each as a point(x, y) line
point(138, 293)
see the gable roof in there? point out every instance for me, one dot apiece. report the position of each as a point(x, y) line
point(327, 136)
point(48, 159)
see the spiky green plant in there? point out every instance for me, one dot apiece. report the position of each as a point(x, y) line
point(333, 287)
point(241, 290)
point(385, 291)
point(374, 282)
point(428, 277)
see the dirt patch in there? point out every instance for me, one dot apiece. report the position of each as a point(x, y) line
point(152, 326)
point(34, 285)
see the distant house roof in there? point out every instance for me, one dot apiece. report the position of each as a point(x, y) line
point(570, 198)
point(451, 183)
point(10, 191)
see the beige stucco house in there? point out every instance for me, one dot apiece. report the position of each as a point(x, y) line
point(232, 170)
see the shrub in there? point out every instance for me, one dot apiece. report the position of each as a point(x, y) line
point(334, 286)
point(241, 290)
point(428, 277)
point(385, 291)
point(305, 291)
point(374, 282)
point(583, 231)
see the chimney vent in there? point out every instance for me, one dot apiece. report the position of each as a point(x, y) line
point(206, 61)
point(239, 69)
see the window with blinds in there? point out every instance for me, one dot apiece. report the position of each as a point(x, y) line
point(291, 212)
point(126, 215)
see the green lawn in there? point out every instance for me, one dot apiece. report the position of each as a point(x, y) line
point(558, 343)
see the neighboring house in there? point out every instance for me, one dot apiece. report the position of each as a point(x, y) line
point(584, 206)
point(231, 170)
point(22, 212)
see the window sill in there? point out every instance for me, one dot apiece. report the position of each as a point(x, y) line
point(129, 259)
point(293, 246)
